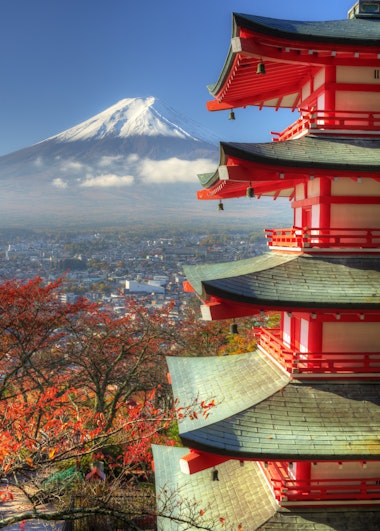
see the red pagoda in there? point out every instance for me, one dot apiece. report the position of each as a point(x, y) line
point(294, 440)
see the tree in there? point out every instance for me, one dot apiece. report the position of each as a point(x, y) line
point(117, 358)
point(47, 444)
point(32, 327)
point(82, 389)
point(80, 385)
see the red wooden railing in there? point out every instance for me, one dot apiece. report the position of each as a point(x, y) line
point(292, 490)
point(303, 363)
point(323, 121)
point(324, 238)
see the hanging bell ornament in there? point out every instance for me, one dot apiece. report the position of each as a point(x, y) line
point(250, 192)
point(260, 68)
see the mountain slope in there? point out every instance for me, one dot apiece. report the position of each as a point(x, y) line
point(136, 117)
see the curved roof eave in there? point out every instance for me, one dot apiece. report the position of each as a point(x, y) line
point(302, 281)
point(361, 32)
point(335, 422)
point(348, 32)
point(311, 152)
point(223, 379)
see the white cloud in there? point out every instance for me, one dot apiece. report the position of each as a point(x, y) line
point(128, 170)
point(108, 160)
point(173, 170)
point(72, 165)
point(107, 180)
point(133, 158)
point(60, 183)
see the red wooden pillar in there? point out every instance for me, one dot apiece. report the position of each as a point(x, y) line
point(303, 472)
point(315, 336)
point(330, 81)
point(324, 214)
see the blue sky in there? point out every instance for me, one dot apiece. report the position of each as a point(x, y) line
point(64, 61)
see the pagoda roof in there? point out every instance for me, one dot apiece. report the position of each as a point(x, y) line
point(209, 503)
point(348, 518)
point(288, 48)
point(227, 380)
point(286, 281)
point(241, 496)
point(273, 167)
point(361, 32)
point(297, 421)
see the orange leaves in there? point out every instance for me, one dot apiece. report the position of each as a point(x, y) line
point(52, 453)
point(29, 460)
point(7, 468)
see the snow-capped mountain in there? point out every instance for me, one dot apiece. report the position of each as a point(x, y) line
point(137, 117)
point(137, 161)
point(104, 169)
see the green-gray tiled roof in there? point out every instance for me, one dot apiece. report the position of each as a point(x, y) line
point(315, 151)
point(311, 151)
point(361, 32)
point(300, 281)
point(325, 519)
point(328, 421)
point(225, 379)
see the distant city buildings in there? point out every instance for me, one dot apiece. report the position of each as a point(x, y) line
point(106, 266)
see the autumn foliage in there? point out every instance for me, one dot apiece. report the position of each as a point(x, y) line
point(78, 385)
point(81, 386)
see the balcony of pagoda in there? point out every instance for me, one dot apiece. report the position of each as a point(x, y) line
point(333, 240)
point(319, 491)
point(337, 123)
point(314, 365)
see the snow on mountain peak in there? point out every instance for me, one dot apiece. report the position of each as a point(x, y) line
point(136, 117)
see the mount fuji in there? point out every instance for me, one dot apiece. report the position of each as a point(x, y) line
point(135, 162)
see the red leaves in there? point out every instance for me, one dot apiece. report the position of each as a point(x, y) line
point(77, 375)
